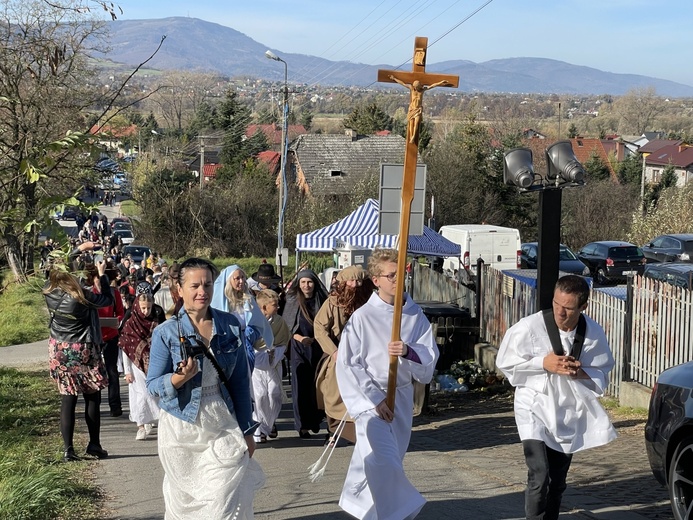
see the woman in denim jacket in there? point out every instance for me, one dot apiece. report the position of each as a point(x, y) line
point(205, 434)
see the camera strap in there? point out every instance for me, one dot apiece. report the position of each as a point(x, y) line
point(208, 355)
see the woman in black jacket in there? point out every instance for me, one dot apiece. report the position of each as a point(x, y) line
point(74, 349)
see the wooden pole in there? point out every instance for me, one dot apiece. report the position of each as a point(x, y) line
point(418, 82)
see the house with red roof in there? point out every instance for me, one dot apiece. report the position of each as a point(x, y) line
point(274, 133)
point(111, 138)
point(679, 155)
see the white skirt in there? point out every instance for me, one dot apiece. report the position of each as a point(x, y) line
point(207, 471)
point(144, 407)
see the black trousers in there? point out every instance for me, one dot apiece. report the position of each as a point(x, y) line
point(110, 359)
point(547, 470)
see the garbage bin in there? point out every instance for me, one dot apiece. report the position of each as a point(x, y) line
point(453, 329)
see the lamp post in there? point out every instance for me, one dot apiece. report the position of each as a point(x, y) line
point(563, 171)
point(282, 178)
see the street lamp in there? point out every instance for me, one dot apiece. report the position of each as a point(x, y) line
point(283, 191)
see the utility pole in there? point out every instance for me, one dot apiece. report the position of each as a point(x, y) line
point(202, 161)
point(282, 178)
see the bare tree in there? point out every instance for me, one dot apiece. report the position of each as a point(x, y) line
point(638, 110)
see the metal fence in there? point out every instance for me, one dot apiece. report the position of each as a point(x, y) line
point(649, 330)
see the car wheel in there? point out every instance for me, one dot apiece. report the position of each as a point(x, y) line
point(681, 480)
point(601, 277)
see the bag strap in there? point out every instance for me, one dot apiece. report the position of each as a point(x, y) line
point(555, 339)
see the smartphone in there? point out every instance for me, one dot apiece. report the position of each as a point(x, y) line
point(98, 256)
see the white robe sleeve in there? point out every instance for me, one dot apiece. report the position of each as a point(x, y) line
point(359, 391)
point(520, 359)
point(596, 359)
point(427, 350)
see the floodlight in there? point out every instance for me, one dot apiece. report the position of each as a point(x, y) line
point(518, 169)
point(562, 163)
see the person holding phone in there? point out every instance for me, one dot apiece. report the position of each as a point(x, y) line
point(74, 347)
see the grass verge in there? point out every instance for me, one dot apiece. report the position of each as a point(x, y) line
point(24, 314)
point(34, 482)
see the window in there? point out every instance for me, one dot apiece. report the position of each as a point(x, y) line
point(335, 173)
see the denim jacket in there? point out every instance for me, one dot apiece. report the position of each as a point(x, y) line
point(226, 344)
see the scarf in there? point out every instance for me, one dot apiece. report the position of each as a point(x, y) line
point(136, 336)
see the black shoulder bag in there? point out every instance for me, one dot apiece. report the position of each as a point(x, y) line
point(555, 337)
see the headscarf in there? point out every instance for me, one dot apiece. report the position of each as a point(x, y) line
point(252, 314)
point(136, 335)
point(293, 306)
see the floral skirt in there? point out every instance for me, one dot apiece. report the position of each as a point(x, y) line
point(77, 367)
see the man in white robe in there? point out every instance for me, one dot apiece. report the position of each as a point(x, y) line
point(376, 487)
point(556, 407)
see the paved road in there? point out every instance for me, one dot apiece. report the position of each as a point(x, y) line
point(467, 464)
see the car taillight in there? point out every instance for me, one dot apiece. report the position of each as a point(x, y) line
point(465, 260)
point(609, 262)
point(519, 259)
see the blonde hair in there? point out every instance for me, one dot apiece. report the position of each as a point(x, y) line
point(379, 257)
point(235, 302)
point(266, 296)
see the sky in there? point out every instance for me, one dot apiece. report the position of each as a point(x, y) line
point(647, 37)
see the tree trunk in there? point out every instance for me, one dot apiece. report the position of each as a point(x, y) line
point(14, 260)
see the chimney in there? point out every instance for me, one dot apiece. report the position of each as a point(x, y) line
point(620, 150)
point(351, 133)
point(683, 146)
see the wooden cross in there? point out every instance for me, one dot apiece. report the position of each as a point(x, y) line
point(418, 82)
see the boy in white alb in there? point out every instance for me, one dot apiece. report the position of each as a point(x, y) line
point(376, 487)
point(267, 375)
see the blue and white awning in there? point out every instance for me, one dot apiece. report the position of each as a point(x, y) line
point(360, 229)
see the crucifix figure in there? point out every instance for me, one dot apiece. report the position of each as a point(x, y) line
point(417, 81)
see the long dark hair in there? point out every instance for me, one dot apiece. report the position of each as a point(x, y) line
point(319, 294)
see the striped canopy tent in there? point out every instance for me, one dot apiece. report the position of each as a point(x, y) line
point(360, 229)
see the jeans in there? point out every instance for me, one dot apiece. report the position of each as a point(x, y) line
point(546, 475)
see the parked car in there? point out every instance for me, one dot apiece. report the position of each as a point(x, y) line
point(120, 224)
point(679, 274)
point(68, 213)
point(611, 261)
point(137, 253)
point(567, 260)
point(124, 235)
point(669, 436)
point(115, 220)
point(670, 248)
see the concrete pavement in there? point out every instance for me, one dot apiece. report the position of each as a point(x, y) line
point(467, 464)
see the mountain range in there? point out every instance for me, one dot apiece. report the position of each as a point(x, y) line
point(193, 44)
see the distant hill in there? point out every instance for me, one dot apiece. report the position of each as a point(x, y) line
point(193, 44)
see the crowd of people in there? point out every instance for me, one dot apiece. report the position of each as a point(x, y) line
point(204, 354)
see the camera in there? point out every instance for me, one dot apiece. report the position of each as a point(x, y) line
point(190, 350)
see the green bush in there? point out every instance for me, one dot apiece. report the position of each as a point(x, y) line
point(24, 313)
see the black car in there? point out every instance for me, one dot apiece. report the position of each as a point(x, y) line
point(679, 274)
point(567, 261)
point(670, 248)
point(611, 261)
point(137, 253)
point(120, 224)
point(669, 436)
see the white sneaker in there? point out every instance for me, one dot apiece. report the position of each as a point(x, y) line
point(148, 428)
point(141, 434)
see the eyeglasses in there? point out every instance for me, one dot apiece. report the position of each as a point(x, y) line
point(391, 277)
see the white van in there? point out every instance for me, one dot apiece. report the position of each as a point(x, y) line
point(498, 246)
